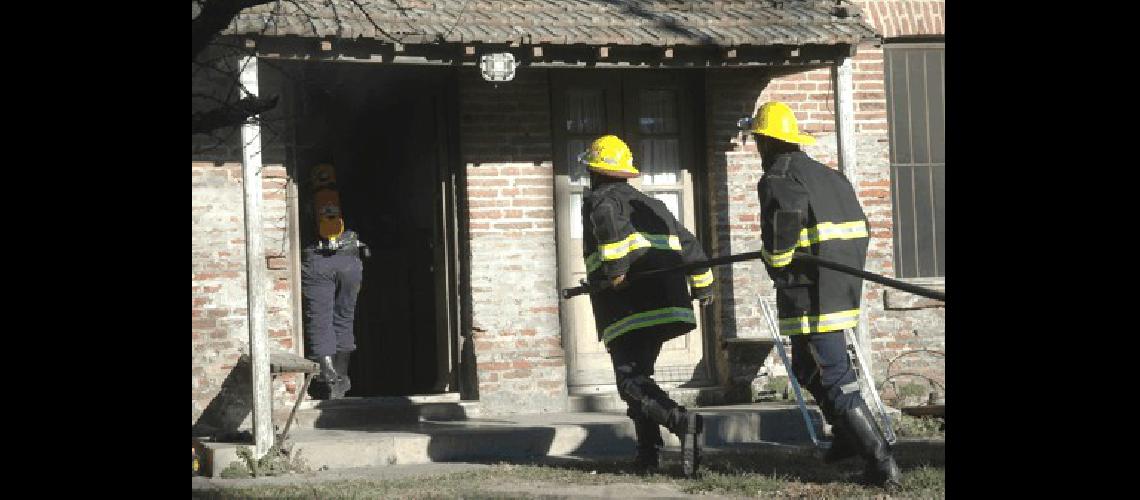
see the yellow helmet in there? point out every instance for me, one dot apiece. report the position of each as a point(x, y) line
point(610, 156)
point(776, 120)
point(322, 175)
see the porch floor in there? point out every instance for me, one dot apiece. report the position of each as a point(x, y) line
point(524, 436)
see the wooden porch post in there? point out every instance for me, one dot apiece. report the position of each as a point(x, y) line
point(843, 86)
point(255, 269)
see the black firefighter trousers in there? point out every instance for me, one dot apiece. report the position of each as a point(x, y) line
point(633, 356)
point(821, 365)
point(330, 283)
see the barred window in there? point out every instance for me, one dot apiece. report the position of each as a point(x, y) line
point(915, 85)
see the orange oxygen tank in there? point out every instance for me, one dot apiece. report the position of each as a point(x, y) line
point(326, 199)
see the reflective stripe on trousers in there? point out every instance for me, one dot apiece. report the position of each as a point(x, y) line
point(646, 319)
point(822, 323)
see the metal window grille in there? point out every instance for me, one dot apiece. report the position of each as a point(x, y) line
point(915, 83)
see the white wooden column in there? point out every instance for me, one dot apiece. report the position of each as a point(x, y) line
point(844, 92)
point(255, 269)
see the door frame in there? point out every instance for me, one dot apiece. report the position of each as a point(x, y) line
point(452, 285)
point(691, 82)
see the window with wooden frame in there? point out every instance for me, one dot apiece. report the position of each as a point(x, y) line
point(915, 82)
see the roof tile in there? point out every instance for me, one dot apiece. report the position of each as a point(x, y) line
point(592, 22)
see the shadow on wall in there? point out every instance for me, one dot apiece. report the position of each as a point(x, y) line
point(731, 95)
point(225, 413)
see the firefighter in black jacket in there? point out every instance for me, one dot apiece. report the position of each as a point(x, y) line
point(806, 206)
point(625, 232)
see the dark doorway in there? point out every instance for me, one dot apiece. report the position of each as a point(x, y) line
point(386, 132)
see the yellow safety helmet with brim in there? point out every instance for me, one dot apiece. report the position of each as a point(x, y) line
point(609, 155)
point(323, 175)
point(776, 120)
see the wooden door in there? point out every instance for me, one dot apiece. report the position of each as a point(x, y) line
point(650, 112)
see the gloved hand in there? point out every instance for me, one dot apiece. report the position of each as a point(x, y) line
point(619, 282)
point(704, 294)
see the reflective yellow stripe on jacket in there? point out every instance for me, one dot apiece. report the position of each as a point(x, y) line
point(701, 280)
point(621, 248)
point(832, 231)
point(819, 324)
point(778, 259)
point(646, 319)
point(809, 236)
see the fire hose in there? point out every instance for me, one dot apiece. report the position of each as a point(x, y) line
point(585, 287)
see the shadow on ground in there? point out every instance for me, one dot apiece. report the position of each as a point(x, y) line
point(794, 465)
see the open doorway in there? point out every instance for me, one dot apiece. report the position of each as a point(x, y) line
point(387, 133)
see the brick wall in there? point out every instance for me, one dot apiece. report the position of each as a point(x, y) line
point(907, 334)
point(507, 150)
point(219, 331)
point(893, 18)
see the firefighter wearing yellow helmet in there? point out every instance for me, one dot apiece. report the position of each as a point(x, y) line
point(626, 231)
point(807, 207)
point(331, 272)
point(610, 156)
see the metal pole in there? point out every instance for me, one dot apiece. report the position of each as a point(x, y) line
point(843, 88)
point(728, 259)
point(868, 276)
point(770, 317)
point(255, 269)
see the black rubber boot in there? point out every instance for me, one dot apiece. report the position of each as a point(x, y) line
point(881, 467)
point(340, 364)
point(324, 385)
point(691, 443)
point(686, 425)
point(689, 427)
point(842, 446)
point(649, 445)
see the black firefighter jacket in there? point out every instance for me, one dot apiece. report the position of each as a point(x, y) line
point(808, 207)
point(626, 231)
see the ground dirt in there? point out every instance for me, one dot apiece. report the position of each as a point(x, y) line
point(759, 474)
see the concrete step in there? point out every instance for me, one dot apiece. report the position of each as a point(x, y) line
point(354, 412)
point(521, 437)
point(609, 401)
point(364, 411)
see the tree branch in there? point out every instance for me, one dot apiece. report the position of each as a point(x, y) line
point(232, 114)
point(214, 17)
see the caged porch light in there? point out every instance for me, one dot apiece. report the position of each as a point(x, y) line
point(498, 67)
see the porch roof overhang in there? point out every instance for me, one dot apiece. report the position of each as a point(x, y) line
point(558, 32)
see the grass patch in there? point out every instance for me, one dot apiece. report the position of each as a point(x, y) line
point(764, 473)
point(471, 484)
point(925, 479)
point(777, 384)
point(924, 427)
point(744, 484)
point(278, 460)
point(452, 486)
point(912, 390)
